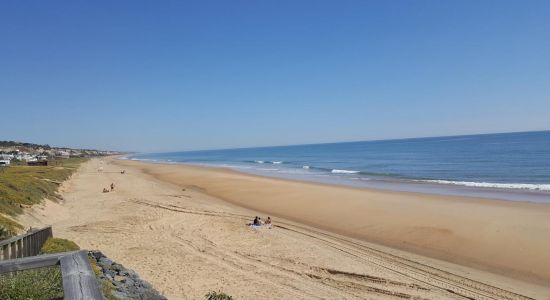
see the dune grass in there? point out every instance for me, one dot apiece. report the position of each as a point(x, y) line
point(22, 186)
point(56, 245)
point(8, 227)
point(43, 283)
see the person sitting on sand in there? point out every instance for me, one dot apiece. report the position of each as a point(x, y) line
point(268, 222)
point(105, 190)
point(256, 221)
point(112, 187)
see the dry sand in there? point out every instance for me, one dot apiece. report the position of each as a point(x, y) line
point(183, 229)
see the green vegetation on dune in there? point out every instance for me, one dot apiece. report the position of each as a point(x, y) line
point(38, 284)
point(56, 245)
point(22, 186)
point(8, 227)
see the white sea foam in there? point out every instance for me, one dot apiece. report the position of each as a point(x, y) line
point(259, 161)
point(344, 171)
point(305, 167)
point(277, 162)
point(522, 186)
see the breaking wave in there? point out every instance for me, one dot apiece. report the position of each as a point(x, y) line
point(344, 171)
point(521, 186)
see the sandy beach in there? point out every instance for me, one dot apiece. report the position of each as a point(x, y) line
point(182, 228)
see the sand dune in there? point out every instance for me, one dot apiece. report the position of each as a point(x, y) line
point(180, 227)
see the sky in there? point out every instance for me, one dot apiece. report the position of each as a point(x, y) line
point(187, 75)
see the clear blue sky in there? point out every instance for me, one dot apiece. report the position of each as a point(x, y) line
point(179, 75)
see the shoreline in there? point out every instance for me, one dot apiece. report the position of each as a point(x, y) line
point(442, 227)
point(431, 187)
point(397, 192)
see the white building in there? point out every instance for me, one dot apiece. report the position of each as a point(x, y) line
point(64, 154)
point(4, 162)
point(6, 156)
point(24, 156)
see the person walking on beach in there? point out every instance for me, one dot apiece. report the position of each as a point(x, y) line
point(112, 187)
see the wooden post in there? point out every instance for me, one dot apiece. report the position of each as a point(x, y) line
point(26, 246)
point(31, 245)
point(19, 245)
point(79, 280)
point(5, 252)
point(34, 244)
point(13, 251)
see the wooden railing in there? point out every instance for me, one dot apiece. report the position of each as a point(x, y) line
point(20, 253)
point(79, 281)
point(25, 245)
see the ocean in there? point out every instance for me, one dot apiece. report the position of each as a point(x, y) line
point(508, 166)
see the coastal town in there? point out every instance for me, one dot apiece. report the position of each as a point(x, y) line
point(29, 153)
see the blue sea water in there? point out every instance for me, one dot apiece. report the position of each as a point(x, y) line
point(513, 166)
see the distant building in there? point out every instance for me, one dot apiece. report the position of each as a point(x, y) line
point(6, 156)
point(24, 156)
point(4, 162)
point(63, 154)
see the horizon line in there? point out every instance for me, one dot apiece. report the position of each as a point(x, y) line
point(341, 142)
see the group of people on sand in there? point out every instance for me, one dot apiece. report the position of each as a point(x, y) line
point(106, 190)
point(258, 222)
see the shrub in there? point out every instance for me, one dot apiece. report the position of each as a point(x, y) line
point(56, 245)
point(218, 296)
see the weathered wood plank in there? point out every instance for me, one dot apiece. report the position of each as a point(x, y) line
point(19, 253)
point(34, 240)
point(5, 252)
point(27, 246)
point(32, 262)
point(79, 280)
point(13, 251)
